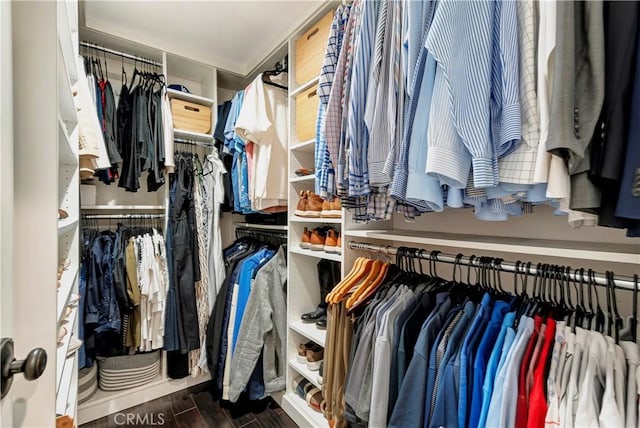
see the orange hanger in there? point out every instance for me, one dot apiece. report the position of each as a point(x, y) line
point(363, 293)
point(371, 276)
point(346, 286)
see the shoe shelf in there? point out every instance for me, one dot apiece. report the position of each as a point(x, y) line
point(298, 219)
point(67, 391)
point(61, 357)
point(310, 331)
point(301, 413)
point(67, 282)
point(310, 375)
point(317, 254)
point(65, 225)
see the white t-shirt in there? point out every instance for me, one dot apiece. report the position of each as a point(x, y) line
point(264, 120)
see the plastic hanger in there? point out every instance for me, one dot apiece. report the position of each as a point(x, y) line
point(599, 316)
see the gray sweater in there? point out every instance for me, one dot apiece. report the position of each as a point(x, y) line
point(263, 324)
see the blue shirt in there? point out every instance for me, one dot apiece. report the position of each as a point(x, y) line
point(246, 270)
point(409, 410)
point(446, 392)
point(467, 349)
point(492, 367)
point(491, 332)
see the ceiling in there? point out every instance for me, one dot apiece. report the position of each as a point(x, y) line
point(234, 35)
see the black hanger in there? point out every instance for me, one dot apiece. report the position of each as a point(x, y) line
point(266, 76)
point(634, 319)
point(614, 317)
point(599, 314)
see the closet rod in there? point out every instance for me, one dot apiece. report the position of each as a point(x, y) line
point(600, 279)
point(193, 143)
point(127, 216)
point(118, 53)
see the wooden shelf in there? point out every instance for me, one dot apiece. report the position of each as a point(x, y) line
point(61, 352)
point(310, 331)
point(300, 89)
point(294, 249)
point(296, 219)
point(308, 146)
point(304, 179)
point(67, 282)
point(312, 376)
point(301, 413)
point(192, 98)
point(615, 253)
point(190, 135)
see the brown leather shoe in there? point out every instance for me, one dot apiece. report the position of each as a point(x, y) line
point(332, 209)
point(339, 244)
point(314, 358)
point(305, 242)
point(317, 240)
point(301, 208)
point(314, 205)
point(331, 242)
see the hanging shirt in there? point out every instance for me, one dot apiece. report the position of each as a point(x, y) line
point(264, 121)
point(463, 28)
point(502, 409)
point(592, 386)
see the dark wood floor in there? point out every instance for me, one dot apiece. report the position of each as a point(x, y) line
point(195, 408)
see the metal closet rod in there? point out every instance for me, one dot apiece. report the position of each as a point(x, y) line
point(193, 142)
point(127, 216)
point(119, 53)
point(600, 279)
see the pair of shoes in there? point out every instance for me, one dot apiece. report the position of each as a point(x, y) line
point(312, 205)
point(301, 172)
point(309, 205)
point(302, 386)
point(314, 399)
point(322, 239)
point(311, 354)
point(302, 351)
point(61, 268)
point(331, 209)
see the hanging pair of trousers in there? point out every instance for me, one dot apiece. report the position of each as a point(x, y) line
point(185, 259)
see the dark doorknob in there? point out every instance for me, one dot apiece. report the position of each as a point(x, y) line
point(31, 367)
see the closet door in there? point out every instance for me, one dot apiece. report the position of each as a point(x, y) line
point(29, 213)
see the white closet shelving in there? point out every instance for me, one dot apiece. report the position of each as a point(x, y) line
point(303, 294)
point(69, 227)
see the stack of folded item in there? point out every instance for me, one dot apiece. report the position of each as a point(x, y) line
point(128, 371)
point(87, 383)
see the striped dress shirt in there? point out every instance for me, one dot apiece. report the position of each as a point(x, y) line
point(333, 114)
point(460, 40)
point(505, 93)
point(322, 158)
point(356, 141)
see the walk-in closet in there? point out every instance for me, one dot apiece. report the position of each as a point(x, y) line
point(360, 213)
